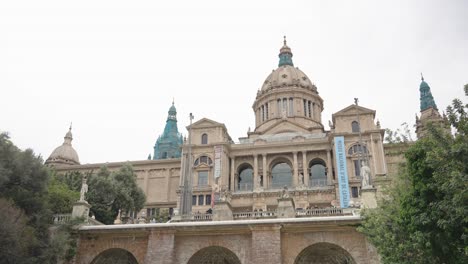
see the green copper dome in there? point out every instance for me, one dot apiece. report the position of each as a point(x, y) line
point(426, 99)
point(168, 145)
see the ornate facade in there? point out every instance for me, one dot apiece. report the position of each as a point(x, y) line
point(289, 166)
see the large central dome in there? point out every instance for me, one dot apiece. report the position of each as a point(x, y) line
point(287, 101)
point(287, 75)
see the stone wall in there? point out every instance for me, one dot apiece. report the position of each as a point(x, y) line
point(249, 241)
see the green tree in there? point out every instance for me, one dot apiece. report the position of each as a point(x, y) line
point(60, 197)
point(109, 192)
point(24, 181)
point(424, 217)
point(16, 237)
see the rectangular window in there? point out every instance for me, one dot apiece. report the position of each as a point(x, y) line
point(208, 199)
point(285, 107)
point(266, 111)
point(150, 211)
point(291, 107)
point(309, 104)
point(279, 108)
point(202, 178)
point(194, 200)
point(305, 107)
point(354, 192)
point(263, 113)
point(201, 199)
point(357, 168)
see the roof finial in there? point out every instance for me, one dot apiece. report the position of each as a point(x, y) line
point(71, 123)
point(422, 77)
point(172, 100)
point(284, 41)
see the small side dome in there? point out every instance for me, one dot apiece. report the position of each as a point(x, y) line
point(64, 154)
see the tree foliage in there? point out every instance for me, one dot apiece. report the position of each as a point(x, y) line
point(24, 181)
point(424, 217)
point(109, 192)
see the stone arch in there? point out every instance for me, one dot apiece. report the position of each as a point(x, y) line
point(324, 253)
point(244, 174)
point(317, 172)
point(214, 255)
point(115, 256)
point(281, 171)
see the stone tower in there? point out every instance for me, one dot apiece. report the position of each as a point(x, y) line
point(169, 144)
point(429, 111)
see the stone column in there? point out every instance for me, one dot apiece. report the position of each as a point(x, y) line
point(266, 180)
point(266, 244)
point(255, 178)
point(145, 184)
point(329, 168)
point(168, 183)
point(161, 247)
point(233, 173)
point(304, 168)
point(295, 170)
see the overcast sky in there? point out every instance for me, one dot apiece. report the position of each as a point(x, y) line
point(113, 67)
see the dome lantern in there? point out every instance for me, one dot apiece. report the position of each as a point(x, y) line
point(285, 55)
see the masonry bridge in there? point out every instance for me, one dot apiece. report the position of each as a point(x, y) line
point(331, 239)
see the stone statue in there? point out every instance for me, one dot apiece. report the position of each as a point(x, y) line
point(84, 189)
point(285, 193)
point(259, 181)
point(302, 178)
point(365, 175)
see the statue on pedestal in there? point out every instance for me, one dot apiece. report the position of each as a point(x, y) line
point(84, 189)
point(285, 192)
point(365, 175)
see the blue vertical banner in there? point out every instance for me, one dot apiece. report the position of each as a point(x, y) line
point(342, 170)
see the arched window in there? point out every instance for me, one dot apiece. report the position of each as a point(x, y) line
point(245, 180)
point(203, 159)
point(204, 139)
point(318, 174)
point(355, 127)
point(281, 175)
point(357, 149)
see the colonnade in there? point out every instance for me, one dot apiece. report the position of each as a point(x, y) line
point(300, 176)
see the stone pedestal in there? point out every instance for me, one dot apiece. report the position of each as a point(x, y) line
point(286, 208)
point(368, 198)
point(222, 211)
point(81, 209)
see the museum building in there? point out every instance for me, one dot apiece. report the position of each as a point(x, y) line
point(288, 192)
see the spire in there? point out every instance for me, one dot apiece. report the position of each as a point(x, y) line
point(68, 136)
point(285, 55)
point(168, 144)
point(426, 98)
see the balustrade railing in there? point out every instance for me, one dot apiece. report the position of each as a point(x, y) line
point(319, 212)
point(254, 215)
point(318, 182)
point(245, 187)
point(196, 217)
point(61, 218)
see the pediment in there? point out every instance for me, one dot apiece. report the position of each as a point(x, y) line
point(353, 110)
point(284, 126)
point(204, 123)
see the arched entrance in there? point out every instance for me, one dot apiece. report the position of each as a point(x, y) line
point(324, 253)
point(245, 178)
point(318, 173)
point(281, 175)
point(214, 255)
point(115, 256)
